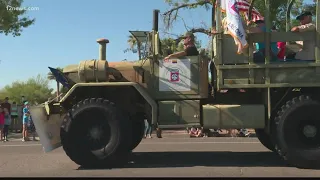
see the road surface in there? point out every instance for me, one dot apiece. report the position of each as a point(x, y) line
point(167, 157)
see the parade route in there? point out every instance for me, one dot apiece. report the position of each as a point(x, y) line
point(166, 157)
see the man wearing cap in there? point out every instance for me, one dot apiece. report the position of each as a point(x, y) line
point(308, 50)
point(190, 48)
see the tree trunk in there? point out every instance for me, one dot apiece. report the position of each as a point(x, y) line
point(139, 51)
point(58, 90)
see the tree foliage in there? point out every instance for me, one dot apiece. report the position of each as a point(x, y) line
point(167, 45)
point(36, 90)
point(135, 47)
point(277, 11)
point(13, 21)
point(171, 15)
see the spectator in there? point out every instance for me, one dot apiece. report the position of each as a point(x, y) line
point(1, 123)
point(243, 132)
point(215, 132)
point(193, 132)
point(32, 128)
point(196, 132)
point(7, 122)
point(158, 131)
point(25, 121)
point(14, 116)
point(148, 129)
point(6, 104)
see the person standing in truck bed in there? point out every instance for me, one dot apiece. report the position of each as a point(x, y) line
point(190, 48)
point(308, 49)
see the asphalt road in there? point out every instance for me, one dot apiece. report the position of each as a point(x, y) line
point(167, 157)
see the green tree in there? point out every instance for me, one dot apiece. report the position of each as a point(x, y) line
point(13, 21)
point(277, 11)
point(36, 90)
point(134, 46)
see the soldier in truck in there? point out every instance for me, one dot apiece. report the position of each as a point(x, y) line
point(308, 51)
point(190, 48)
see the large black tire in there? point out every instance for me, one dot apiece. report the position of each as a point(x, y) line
point(95, 133)
point(294, 121)
point(138, 126)
point(265, 139)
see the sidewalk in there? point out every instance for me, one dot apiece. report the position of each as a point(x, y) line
point(17, 137)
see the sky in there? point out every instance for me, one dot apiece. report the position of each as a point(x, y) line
point(65, 32)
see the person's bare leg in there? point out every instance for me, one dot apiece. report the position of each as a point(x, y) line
point(25, 132)
point(1, 132)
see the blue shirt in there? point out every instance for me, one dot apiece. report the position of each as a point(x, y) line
point(25, 112)
point(260, 46)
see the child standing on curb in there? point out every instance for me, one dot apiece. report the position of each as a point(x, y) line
point(7, 122)
point(25, 121)
point(1, 123)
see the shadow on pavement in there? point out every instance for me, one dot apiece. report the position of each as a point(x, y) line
point(210, 159)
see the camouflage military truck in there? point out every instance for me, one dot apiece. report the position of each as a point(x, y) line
point(99, 120)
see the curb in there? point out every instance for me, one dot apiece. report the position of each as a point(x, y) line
point(15, 139)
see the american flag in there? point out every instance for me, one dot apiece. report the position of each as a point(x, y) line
point(243, 7)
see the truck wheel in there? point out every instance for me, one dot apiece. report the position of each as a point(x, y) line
point(265, 139)
point(94, 133)
point(137, 131)
point(298, 132)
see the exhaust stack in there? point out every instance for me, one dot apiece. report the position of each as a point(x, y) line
point(155, 20)
point(102, 48)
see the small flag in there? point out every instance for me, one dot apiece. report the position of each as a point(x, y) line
point(61, 78)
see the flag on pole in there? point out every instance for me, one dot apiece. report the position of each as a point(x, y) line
point(234, 24)
point(61, 78)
